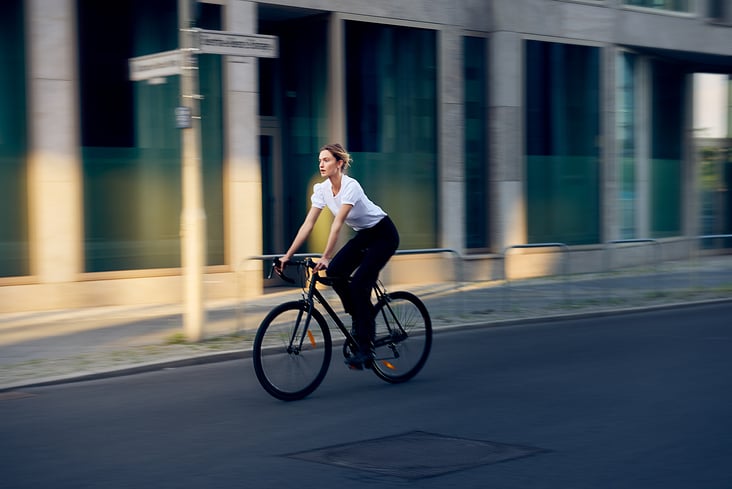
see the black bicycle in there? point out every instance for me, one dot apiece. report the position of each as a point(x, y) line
point(293, 346)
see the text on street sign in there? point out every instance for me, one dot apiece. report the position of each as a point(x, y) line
point(156, 65)
point(235, 44)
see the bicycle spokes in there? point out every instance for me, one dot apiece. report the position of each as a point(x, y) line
point(287, 365)
point(403, 337)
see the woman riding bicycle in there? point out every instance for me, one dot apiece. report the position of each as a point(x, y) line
point(375, 242)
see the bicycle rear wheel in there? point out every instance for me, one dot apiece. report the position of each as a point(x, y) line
point(290, 363)
point(403, 337)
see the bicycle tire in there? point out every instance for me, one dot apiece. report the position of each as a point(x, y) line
point(290, 373)
point(400, 353)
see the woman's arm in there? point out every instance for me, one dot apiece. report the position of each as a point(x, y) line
point(335, 230)
point(302, 234)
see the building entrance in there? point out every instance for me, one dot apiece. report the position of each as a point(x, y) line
point(292, 117)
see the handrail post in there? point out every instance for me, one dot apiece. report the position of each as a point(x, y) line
point(698, 252)
point(562, 246)
point(457, 276)
point(657, 257)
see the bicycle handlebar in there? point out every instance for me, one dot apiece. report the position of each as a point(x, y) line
point(276, 268)
point(309, 264)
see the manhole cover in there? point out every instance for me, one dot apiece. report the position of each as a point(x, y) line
point(416, 455)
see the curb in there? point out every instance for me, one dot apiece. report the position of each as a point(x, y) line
point(131, 369)
point(208, 358)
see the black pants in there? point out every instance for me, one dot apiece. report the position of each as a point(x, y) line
point(366, 253)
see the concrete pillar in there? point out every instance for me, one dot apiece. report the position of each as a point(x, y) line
point(242, 165)
point(609, 194)
point(54, 164)
point(507, 174)
point(336, 80)
point(689, 174)
point(451, 127)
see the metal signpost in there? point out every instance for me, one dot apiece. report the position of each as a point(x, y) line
point(184, 62)
point(193, 215)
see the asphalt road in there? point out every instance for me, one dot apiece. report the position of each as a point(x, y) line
point(625, 401)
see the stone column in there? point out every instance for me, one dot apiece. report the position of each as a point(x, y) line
point(451, 127)
point(505, 119)
point(609, 209)
point(54, 164)
point(336, 79)
point(242, 166)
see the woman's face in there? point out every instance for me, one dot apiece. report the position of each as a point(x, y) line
point(329, 166)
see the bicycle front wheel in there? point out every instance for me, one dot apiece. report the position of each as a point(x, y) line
point(403, 337)
point(289, 360)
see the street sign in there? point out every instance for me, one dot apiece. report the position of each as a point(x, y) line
point(235, 44)
point(183, 118)
point(156, 65)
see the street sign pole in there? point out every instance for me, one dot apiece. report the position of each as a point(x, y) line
point(184, 62)
point(193, 216)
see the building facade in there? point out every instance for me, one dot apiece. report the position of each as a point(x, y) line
point(477, 124)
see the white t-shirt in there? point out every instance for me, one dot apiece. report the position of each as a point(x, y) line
point(364, 214)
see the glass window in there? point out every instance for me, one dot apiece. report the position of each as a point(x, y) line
point(626, 147)
point(715, 9)
point(267, 162)
point(715, 201)
point(711, 128)
point(476, 143)
point(13, 195)
point(130, 146)
point(667, 123)
point(562, 134)
point(675, 5)
point(392, 123)
point(212, 142)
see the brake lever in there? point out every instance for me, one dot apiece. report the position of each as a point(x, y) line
point(280, 272)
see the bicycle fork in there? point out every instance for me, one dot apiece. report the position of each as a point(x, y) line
point(298, 337)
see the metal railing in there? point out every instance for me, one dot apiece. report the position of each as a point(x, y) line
point(484, 295)
point(714, 236)
point(241, 309)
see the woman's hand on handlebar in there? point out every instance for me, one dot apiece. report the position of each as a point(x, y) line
point(281, 263)
point(322, 264)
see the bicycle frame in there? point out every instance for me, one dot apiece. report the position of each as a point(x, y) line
point(313, 294)
point(295, 368)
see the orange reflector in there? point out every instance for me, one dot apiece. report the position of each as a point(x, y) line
point(389, 365)
point(312, 338)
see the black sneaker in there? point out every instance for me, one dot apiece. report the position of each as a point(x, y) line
point(360, 360)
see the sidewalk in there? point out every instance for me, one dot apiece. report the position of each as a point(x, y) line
point(61, 346)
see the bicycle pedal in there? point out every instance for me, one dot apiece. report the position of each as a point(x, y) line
point(353, 365)
point(359, 362)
